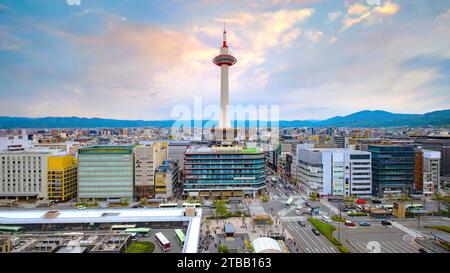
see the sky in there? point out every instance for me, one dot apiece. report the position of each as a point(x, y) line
point(138, 59)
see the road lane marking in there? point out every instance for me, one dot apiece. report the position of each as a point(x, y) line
point(288, 225)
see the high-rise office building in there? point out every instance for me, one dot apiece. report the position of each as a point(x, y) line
point(62, 177)
point(221, 172)
point(105, 172)
point(147, 159)
point(333, 171)
point(392, 169)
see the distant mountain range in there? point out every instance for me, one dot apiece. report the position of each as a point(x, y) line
point(366, 118)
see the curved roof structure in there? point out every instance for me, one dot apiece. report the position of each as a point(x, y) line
point(266, 245)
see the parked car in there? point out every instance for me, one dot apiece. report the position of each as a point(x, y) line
point(104, 206)
point(364, 224)
point(301, 223)
point(81, 207)
point(326, 218)
point(315, 231)
point(386, 223)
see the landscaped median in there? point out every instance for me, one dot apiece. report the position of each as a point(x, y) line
point(441, 228)
point(140, 247)
point(327, 230)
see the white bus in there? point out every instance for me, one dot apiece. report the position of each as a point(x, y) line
point(121, 227)
point(162, 241)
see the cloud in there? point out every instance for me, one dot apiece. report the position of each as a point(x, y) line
point(358, 13)
point(443, 16)
point(332, 40)
point(333, 16)
point(357, 9)
point(314, 36)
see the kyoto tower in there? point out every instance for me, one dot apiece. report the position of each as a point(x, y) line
point(224, 60)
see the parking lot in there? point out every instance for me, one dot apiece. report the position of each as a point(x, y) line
point(169, 234)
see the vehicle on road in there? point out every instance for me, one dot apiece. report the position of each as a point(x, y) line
point(350, 224)
point(134, 237)
point(326, 218)
point(298, 212)
point(104, 206)
point(364, 224)
point(289, 201)
point(137, 206)
point(81, 207)
point(315, 231)
point(422, 250)
point(386, 223)
point(307, 213)
point(299, 207)
point(301, 223)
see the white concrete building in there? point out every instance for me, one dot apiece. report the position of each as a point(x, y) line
point(431, 169)
point(15, 142)
point(335, 172)
point(23, 174)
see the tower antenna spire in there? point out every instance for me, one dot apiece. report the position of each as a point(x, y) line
point(224, 35)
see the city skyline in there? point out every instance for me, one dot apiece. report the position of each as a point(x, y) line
point(137, 60)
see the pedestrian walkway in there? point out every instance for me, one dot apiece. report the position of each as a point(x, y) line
point(414, 233)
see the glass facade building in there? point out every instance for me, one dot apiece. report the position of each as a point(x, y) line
point(105, 172)
point(219, 172)
point(392, 169)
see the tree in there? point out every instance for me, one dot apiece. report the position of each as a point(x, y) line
point(221, 208)
point(223, 249)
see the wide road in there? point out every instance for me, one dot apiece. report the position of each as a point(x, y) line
point(305, 239)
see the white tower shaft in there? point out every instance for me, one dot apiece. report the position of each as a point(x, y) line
point(224, 92)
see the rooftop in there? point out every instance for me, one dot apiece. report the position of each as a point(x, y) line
point(18, 217)
point(266, 245)
point(223, 150)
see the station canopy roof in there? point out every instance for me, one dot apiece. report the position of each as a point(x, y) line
point(266, 245)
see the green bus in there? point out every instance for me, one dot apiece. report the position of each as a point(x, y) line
point(141, 231)
point(289, 201)
point(10, 230)
point(180, 236)
point(195, 205)
point(414, 207)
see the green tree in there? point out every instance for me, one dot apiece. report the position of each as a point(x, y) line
point(221, 208)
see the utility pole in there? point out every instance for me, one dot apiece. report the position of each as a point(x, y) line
point(339, 227)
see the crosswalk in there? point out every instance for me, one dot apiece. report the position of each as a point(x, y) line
point(391, 246)
point(293, 218)
point(414, 233)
